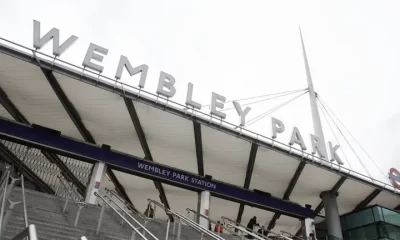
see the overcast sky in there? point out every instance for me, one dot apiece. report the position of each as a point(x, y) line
point(248, 48)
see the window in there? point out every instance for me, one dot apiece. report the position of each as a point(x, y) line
point(391, 217)
point(359, 219)
point(391, 231)
point(369, 232)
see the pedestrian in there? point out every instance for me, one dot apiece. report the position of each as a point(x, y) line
point(218, 227)
point(250, 226)
point(149, 212)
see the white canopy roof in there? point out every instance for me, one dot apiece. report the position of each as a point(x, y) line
point(169, 132)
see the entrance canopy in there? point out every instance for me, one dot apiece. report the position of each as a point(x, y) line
point(36, 89)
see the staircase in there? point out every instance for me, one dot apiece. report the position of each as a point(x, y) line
point(45, 211)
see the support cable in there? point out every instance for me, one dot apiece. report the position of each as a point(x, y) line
point(347, 141)
point(327, 120)
point(263, 100)
point(362, 148)
point(267, 95)
point(259, 117)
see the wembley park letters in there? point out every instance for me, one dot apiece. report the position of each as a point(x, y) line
point(95, 55)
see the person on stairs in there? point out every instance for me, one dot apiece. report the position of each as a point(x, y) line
point(250, 226)
point(149, 212)
point(218, 227)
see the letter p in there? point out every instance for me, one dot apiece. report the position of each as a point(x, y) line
point(277, 127)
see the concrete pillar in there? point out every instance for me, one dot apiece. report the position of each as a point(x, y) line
point(98, 173)
point(204, 207)
point(332, 216)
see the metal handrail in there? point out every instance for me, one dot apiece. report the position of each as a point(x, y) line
point(168, 211)
point(291, 235)
point(116, 211)
point(136, 221)
point(128, 204)
point(191, 224)
point(244, 230)
point(6, 189)
point(236, 223)
point(3, 201)
point(198, 226)
point(3, 179)
point(30, 232)
point(68, 190)
point(79, 204)
point(23, 200)
point(209, 219)
point(251, 230)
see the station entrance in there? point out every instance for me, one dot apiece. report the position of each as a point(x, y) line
point(60, 123)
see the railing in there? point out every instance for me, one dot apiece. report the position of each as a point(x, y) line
point(79, 204)
point(187, 221)
point(4, 186)
point(46, 170)
point(129, 206)
point(244, 230)
point(291, 235)
point(6, 189)
point(30, 232)
point(124, 212)
point(66, 189)
point(210, 220)
point(135, 229)
point(24, 201)
point(235, 225)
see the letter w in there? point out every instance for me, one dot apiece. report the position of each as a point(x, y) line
point(54, 34)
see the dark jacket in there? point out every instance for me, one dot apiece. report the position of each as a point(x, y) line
point(250, 227)
point(252, 223)
point(148, 213)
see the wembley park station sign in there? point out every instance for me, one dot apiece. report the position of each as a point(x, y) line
point(95, 55)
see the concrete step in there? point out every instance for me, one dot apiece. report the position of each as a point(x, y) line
point(45, 211)
point(57, 214)
point(56, 229)
point(19, 221)
point(61, 220)
point(42, 234)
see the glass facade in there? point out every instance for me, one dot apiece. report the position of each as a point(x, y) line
point(374, 223)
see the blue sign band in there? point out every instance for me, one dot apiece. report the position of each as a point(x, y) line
point(41, 138)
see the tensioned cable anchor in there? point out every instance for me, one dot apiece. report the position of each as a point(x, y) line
point(259, 117)
point(271, 94)
point(323, 113)
point(348, 143)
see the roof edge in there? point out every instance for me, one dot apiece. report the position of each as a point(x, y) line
point(178, 109)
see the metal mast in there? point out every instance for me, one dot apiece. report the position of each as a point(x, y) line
point(313, 102)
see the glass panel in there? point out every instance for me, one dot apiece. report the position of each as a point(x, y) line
point(321, 234)
point(362, 233)
point(391, 231)
point(343, 223)
point(378, 214)
point(391, 216)
point(333, 238)
point(360, 218)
